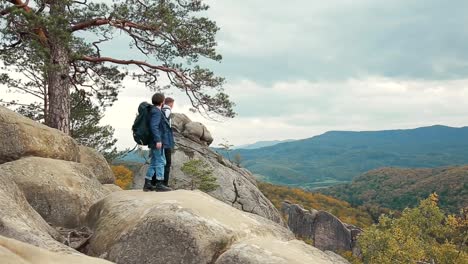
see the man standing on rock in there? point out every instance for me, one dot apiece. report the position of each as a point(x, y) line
point(159, 126)
point(167, 111)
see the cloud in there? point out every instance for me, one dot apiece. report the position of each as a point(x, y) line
point(336, 39)
point(300, 68)
point(301, 109)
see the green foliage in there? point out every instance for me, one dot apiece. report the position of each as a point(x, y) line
point(341, 209)
point(85, 128)
point(421, 235)
point(397, 188)
point(201, 176)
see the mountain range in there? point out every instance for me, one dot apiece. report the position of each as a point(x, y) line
point(339, 156)
point(262, 144)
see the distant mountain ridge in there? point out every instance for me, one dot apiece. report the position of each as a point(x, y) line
point(339, 156)
point(262, 144)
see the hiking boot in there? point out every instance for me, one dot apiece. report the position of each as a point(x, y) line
point(161, 187)
point(148, 187)
point(166, 183)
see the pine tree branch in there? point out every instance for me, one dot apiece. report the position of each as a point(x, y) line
point(119, 23)
point(179, 74)
point(18, 4)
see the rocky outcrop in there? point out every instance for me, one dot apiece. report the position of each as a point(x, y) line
point(20, 221)
point(324, 229)
point(15, 252)
point(60, 191)
point(188, 227)
point(21, 137)
point(98, 165)
point(193, 130)
point(237, 186)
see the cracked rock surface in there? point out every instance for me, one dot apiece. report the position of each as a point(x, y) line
point(189, 227)
point(237, 186)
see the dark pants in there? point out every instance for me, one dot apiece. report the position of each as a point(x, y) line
point(167, 168)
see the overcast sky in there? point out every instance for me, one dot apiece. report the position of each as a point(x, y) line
point(299, 68)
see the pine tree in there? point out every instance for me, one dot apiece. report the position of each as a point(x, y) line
point(173, 34)
point(201, 176)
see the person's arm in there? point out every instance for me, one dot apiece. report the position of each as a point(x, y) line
point(154, 124)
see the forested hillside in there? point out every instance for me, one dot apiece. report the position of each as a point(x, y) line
point(398, 188)
point(336, 157)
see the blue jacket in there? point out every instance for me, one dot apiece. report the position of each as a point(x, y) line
point(160, 129)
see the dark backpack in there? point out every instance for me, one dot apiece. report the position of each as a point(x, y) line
point(140, 128)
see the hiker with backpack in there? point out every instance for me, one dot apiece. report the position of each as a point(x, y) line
point(152, 128)
point(167, 113)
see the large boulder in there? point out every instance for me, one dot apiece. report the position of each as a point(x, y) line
point(237, 187)
point(199, 132)
point(184, 227)
point(20, 221)
point(324, 229)
point(15, 252)
point(193, 130)
point(261, 250)
point(21, 136)
point(179, 121)
point(98, 164)
point(60, 191)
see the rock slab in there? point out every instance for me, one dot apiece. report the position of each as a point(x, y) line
point(98, 165)
point(21, 137)
point(237, 186)
point(186, 227)
point(16, 252)
point(60, 191)
point(20, 221)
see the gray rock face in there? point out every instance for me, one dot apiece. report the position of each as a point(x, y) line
point(15, 252)
point(19, 220)
point(21, 137)
point(98, 165)
point(327, 231)
point(60, 191)
point(237, 186)
point(188, 227)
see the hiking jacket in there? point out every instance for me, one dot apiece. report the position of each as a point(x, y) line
point(169, 135)
point(160, 129)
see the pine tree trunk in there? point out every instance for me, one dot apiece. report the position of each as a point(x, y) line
point(58, 79)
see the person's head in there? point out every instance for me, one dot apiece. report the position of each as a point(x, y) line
point(169, 101)
point(157, 99)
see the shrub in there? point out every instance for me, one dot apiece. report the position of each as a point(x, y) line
point(123, 176)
